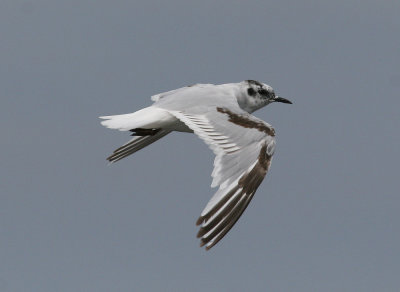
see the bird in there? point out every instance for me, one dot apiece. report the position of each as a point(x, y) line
point(221, 116)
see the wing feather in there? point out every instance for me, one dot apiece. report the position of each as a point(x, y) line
point(243, 146)
point(135, 145)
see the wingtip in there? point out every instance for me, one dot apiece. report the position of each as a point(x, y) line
point(208, 245)
point(200, 233)
point(199, 220)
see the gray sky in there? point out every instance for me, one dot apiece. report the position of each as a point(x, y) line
point(326, 218)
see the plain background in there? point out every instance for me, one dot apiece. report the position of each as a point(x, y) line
point(326, 218)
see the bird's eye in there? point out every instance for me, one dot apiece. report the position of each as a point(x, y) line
point(251, 91)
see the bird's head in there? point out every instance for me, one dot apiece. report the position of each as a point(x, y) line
point(259, 95)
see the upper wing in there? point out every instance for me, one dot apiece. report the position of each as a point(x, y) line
point(184, 90)
point(243, 146)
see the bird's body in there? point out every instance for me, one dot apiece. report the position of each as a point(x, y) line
point(220, 116)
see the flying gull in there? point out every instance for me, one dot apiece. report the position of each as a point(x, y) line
point(220, 115)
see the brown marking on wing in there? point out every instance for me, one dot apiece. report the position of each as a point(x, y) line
point(250, 181)
point(224, 221)
point(245, 122)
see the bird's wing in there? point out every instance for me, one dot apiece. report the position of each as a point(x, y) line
point(184, 90)
point(243, 145)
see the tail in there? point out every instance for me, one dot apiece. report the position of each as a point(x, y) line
point(147, 118)
point(149, 124)
point(136, 144)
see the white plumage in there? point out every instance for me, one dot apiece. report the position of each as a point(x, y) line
point(220, 116)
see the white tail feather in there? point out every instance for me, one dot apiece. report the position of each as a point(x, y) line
point(147, 118)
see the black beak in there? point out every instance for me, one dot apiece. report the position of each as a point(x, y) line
point(281, 99)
